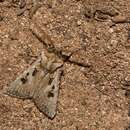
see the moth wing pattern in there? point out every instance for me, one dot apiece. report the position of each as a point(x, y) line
point(46, 98)
point(24, 85)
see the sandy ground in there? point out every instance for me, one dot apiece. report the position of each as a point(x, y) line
point(91, 93)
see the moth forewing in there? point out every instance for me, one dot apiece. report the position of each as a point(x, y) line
point(22, 87)
point(46, 98)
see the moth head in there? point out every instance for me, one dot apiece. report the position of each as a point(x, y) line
point(50, 61)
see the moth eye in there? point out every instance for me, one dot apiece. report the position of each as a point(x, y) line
point(34, 72)
point(50, 94)
point(23, 80)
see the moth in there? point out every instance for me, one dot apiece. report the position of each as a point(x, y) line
point(39, 83)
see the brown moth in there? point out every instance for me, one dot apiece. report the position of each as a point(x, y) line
point(40, 83)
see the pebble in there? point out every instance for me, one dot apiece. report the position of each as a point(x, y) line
point(120, 19)
point(79, 22)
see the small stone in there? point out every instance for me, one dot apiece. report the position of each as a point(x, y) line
point(111, 30)
point(79, 22)
point(120, 19)
point(9, 69)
